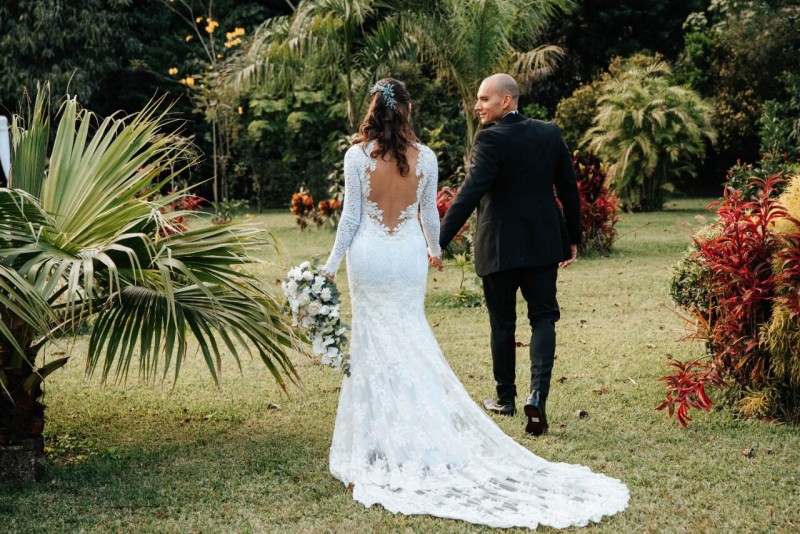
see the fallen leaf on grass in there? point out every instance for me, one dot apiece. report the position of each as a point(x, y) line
point(521, 344)
point(561, 379)
point(581, 414)
point(601, 389)
point(273, 406)
point(748, 453)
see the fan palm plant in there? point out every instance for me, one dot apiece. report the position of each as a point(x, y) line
point(648, 131)
point(84, 240)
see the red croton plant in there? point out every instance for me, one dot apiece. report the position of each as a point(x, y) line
point(599, 207)
point(739, 256)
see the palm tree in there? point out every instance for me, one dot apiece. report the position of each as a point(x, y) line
point(649, 132)
point(83, 238)
point(348, 44)
point(468, 40)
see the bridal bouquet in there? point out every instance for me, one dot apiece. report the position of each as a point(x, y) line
point(313, 301)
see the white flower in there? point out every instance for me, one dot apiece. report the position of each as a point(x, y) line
point(317, 345)
point(314, 308)
point(324, 310)
point(305, 265)
point(294, 273)
point(326, 295)
point(334, 312)
point(291, 289)
point(307, 321)
point(308, 276)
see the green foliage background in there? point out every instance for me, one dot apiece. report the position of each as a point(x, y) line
point(115, 54)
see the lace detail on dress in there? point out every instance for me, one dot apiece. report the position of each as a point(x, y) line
point(407, 434)
point(358, 207)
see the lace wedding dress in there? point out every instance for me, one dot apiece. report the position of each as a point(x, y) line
point(407, 435)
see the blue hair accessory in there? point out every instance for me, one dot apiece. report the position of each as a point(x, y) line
point(387, 92)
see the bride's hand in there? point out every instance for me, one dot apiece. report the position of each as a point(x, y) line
point(435, 262)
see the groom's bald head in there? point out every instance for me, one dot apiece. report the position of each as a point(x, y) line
point(497, 95)
point(505, 85)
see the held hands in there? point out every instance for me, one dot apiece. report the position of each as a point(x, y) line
point(567, 263)
point(435, 261)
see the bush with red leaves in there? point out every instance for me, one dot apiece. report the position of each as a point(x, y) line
point(599, 207)
point(750, 267)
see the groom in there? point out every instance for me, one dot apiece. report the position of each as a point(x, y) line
point(521, 235)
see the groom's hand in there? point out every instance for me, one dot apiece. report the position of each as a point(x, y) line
point(566, 263)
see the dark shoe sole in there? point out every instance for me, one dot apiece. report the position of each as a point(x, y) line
point(535, 424)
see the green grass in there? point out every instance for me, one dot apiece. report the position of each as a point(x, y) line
point(193, 458)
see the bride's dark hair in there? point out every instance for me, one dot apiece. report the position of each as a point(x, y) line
point(388, 122)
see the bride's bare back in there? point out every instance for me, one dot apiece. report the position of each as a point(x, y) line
point(391, 192)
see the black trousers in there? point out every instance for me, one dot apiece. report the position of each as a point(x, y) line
point(538, 285)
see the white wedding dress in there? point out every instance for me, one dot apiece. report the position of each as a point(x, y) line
point(407, 435)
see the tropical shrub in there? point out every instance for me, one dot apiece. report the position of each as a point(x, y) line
point(574, 114)
point(748, 310)
point(691, 280)
point(599, 207)
point(740, 176)
point(302, 207)
point(649, 132)
point(82, 237)
point(329, 212)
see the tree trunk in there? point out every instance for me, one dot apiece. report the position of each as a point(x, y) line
point(21, 414)
point(22, 462)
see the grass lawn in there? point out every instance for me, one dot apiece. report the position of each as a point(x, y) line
point(196, 459)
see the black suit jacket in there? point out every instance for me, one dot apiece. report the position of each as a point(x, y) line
point(515, 165)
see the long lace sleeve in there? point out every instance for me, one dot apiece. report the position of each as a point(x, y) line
point(429, 214)
point(351, 213)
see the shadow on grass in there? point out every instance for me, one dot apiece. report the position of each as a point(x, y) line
point(224, 468)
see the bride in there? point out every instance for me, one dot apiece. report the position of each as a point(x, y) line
point(407, 435)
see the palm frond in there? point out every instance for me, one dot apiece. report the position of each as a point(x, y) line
point(533, 65)
point(20, 300)
point(144, 318)
point(29, 145)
